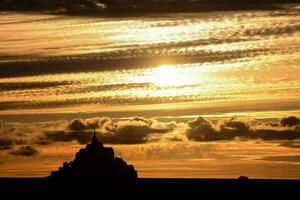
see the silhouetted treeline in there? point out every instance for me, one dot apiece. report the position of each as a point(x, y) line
point(137, 6)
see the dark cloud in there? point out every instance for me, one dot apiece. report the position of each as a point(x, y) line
point(77, 130)
point(133, 131)
point(58, 136)
point(290, 144)
point(131, 134)
point(91, 123)
point(290, 121)
point(266, 134)
point(6, 143)
point(125, 135)
point(235, 127)
point(78, 124)
point(291, 158)
point(67, 136)
point(138, 130)
point(20, 141)
point(42, 140)
point(129, 7)
point(118, 100)
point(202, 129)
point(25, 151)
point(10, 86)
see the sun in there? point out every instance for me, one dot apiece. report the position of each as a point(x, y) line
point(169, 75)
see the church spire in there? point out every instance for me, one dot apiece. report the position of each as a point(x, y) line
point(95, 141)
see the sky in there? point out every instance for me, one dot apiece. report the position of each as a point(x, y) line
point(219, 147)
point(207, 94)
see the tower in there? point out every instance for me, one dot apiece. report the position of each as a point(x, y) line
point(95, 141)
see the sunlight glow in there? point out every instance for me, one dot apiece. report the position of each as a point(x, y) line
point(170, 76)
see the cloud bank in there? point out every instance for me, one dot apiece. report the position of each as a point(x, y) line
point(202, 129)
point(133, 131)
point(23, 138)
point(25, 151)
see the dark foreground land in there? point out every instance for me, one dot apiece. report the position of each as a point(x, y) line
point(145, 187)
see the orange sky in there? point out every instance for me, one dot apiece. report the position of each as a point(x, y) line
point(187, 95)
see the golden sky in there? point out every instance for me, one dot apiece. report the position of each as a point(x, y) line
point(191, 95)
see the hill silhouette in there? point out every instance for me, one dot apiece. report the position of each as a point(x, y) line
point(96, 162)
point(96, 172)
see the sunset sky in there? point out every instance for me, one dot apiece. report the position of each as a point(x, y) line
point(206, 94)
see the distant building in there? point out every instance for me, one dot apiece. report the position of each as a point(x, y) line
point(96, 162)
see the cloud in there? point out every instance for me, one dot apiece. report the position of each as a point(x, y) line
point(139, 130)
point(91, 123)
point(290, 121)
point(202, 129)
point(42, 140)
point(289, 158)
point(130, 134)
point(25, 151)
point(290, 144)
point(59, 136)
point(275, 134)
point(10, 86)
point(78, 124)
point(82, 137)
point(6, 143)
point(133, 131)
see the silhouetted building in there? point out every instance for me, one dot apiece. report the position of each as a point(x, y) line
point(96, 162)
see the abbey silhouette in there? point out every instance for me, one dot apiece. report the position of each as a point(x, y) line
point(96, 162)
